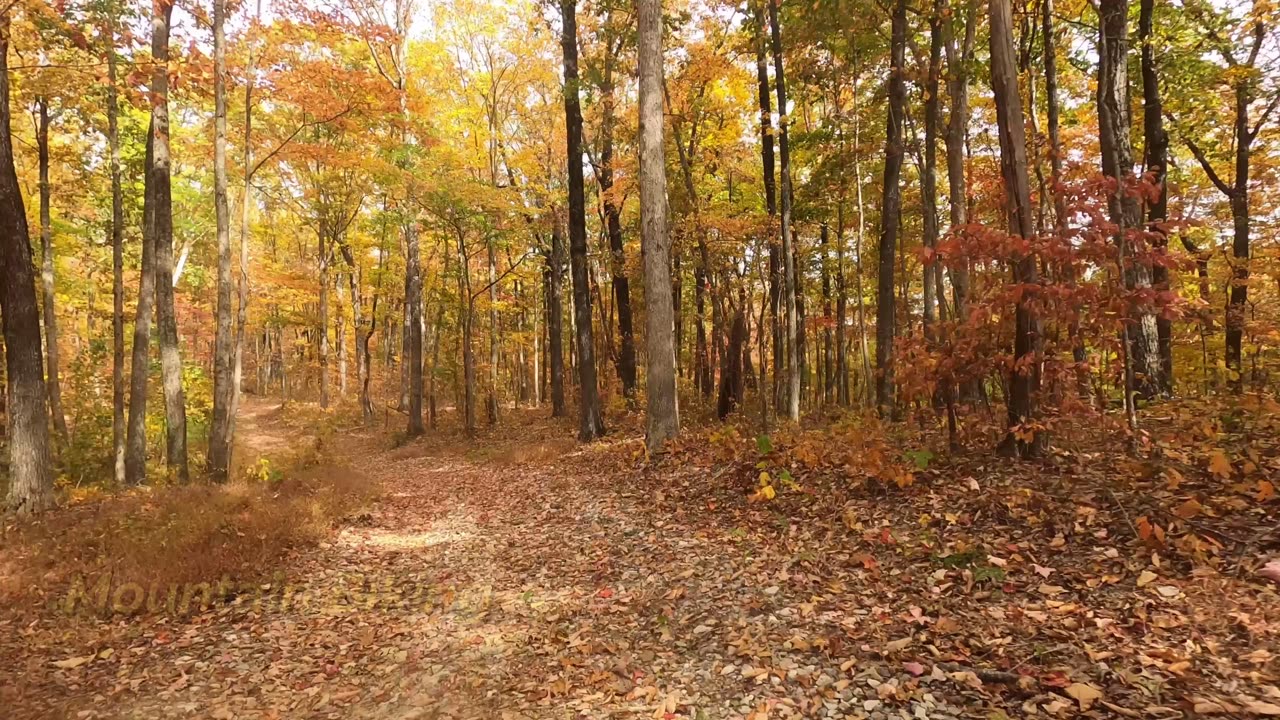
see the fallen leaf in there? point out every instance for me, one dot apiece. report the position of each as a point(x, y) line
point(1146, 578)
point(1083, 693)
point(73, 662)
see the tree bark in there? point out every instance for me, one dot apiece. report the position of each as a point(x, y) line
point(771, 204)
point(140, 366)
point(219, 460)
point(1117, 164)
point(555, 318)
point(928, 180)
point(30, 471)
point(1024, 381)
point(790, 290)
point(53, 382)
point(957, 187)
point(613, 225)
point(590, 420)
point(117, 262)
point(891, 206)
point(663, 410)
point(175, 412)
point(1156, 162)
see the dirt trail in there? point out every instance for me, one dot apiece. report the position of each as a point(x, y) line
point(516, 579)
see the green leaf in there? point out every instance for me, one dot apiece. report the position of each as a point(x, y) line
point(764, 444)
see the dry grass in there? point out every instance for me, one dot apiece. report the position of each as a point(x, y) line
point(172, 536)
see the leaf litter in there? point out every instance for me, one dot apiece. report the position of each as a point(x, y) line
point(529, 577)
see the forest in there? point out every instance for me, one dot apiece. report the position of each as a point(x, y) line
point(628, 358)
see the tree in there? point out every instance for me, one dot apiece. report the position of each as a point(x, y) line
point(590, 420)
point(1117, 163)
point(175, 413)
point(224, 348)
point(890, 207)
point(1021, 440)
point(663, 411)
point(1244, 81)
point(53, 382)
point(31, 475)
point(117, 257)
point(790, 289)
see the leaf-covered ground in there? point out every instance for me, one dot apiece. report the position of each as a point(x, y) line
point(526, 576)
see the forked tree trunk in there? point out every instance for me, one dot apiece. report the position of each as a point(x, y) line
point(663, 411)
point(590, 420)
point(30, 472)
point(1117, 164)
point(1021, 440)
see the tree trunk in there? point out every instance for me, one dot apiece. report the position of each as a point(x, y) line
point(827, 373)
point(467, 319)
point(555, 318)
point(891, 205)
point(613, 225)
point(246, 207)
point(117, 263)
point(928, 180)
point(591, 422)
point(663, 411)
point(53, 384)
point(175, 412)
point(224, 352)
point(790, 290)
point(770, 201)
point(140, 366)
point(491, 402)
point(1156, 159)
point(30, 471)
point(1024, 381)
point(1117, 164)
point(322, 324)
point(957, 189)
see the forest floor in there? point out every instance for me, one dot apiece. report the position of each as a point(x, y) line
point(524, 575)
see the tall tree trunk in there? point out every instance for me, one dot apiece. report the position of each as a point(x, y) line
point(891, 206)
point(1117, 164)
point(770, 201)
point(246, 208)
point(224, 351)
point(53, 383)
point(117, 262)
point(928, 180)
point(590, 420)
point(663, 411)
point(958, 54)
point(30, 471)
point(1156, 159)
point(613, 225)
point(175, 411)
point(1024, 381)
point(140, 365)
point(790, 290)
